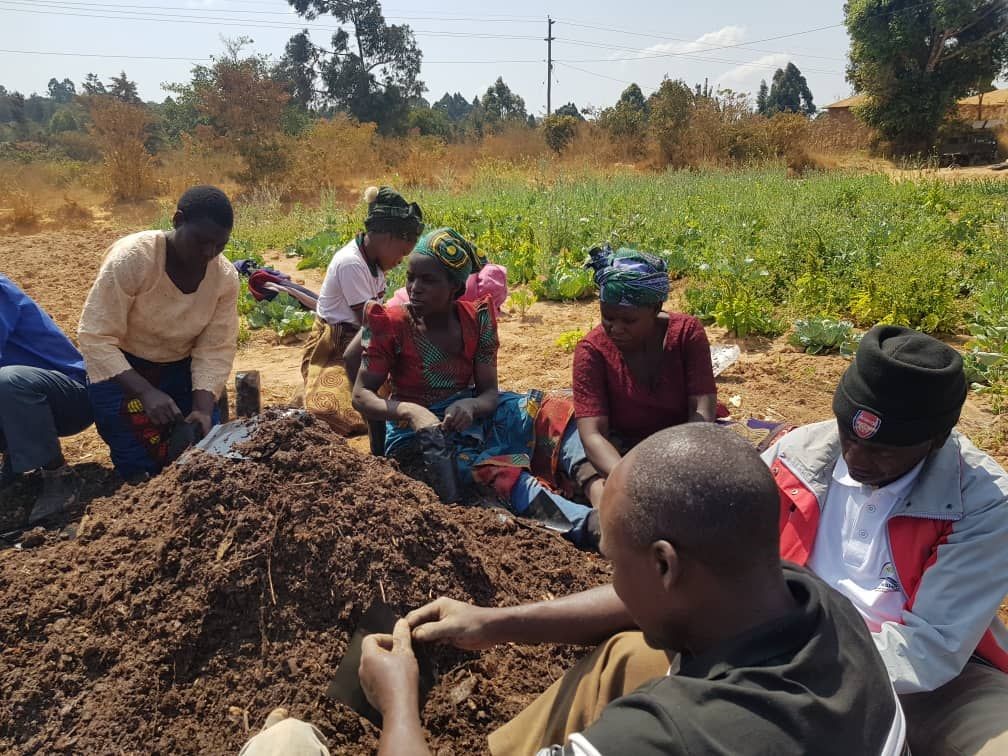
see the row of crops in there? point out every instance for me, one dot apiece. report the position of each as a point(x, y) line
point(758, 250)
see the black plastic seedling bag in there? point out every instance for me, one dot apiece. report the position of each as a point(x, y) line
point(439, 464)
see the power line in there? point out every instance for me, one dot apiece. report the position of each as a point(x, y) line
point(51, 10)
point(176, 11)
point(196, 58)
point(99, 55)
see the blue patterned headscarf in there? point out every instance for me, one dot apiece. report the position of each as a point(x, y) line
point(629, 277)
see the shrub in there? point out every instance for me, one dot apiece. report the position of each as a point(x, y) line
point(910, 287)
point(559, 131)
point(120, 129)
point(25, 214)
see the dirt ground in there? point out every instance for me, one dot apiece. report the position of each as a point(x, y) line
point(771, 381)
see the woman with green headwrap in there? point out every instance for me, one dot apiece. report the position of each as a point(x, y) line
point(440, 355)
point(642, 369)
point(355, 276)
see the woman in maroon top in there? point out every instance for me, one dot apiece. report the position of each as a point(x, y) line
point(642, 369)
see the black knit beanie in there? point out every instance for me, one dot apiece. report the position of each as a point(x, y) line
point(903, 388)
point(388, 212)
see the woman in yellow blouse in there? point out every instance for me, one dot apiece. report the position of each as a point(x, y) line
point(159, 331)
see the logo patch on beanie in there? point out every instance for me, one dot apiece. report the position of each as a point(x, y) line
point(865, 424)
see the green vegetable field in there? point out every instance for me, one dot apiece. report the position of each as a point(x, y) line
point(757, 250)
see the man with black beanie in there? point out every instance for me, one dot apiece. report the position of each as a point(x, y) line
point(909, 520)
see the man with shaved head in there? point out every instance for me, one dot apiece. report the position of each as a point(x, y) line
point(760, 657)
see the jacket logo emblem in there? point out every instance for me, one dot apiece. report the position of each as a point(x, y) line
point(866, 424)
point(888, 583)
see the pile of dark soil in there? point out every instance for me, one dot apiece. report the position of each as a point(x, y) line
point(224, 588)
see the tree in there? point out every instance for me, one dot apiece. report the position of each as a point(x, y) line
point(761, 98)
point(372, 70)
point(123, 89)
point(92, 85)
point(789, 93)
point(569, 109)
point(913, 60)
point(669, 116)
point(455, 107)
point(429, 122)
point(626, 121)
point(62, 92)
point(633, 97)
point(298, 69)
point(63, 120)
point(559, 131)
point(501, 105)
point(236, 103)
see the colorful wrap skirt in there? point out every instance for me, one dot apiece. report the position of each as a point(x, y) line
point(524, 435)
point(328, 392)
point(136, 444)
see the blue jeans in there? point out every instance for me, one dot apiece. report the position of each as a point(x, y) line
point(38, 406)
point(572, 454)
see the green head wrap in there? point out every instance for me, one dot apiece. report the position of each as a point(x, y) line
point(389, 213)
point(459, 258)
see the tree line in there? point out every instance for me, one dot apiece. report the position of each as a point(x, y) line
point(912, 60)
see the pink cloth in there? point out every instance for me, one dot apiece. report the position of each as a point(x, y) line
point(491, 282)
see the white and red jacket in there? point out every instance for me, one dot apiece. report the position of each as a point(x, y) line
point(949, 541)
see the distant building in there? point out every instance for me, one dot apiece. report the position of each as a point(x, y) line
point(840, 111)
point(987, 111)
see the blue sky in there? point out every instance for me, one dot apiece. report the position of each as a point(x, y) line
point(599, 48)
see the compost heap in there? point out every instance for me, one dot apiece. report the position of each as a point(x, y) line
point(187, 608)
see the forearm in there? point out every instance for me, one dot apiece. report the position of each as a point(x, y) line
point(601, 453)
point(402, 734)
point(702, 408)
point(374, 407)
point(132, 383)
point(486, 402)
point(203, 401)
point(583, 619)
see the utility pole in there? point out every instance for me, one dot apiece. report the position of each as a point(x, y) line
point(549, 62)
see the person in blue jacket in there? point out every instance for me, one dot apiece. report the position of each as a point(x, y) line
point(43, 396)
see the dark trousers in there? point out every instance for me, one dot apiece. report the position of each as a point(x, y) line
point(37, 407)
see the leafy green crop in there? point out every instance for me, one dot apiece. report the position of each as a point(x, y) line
point(569, 339)
point(521, 300)
point(824, 335)
point(317, 251)
point(757, 250)
point(284, 315)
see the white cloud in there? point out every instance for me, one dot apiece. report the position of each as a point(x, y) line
point(746, 77)
point(729, 35)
